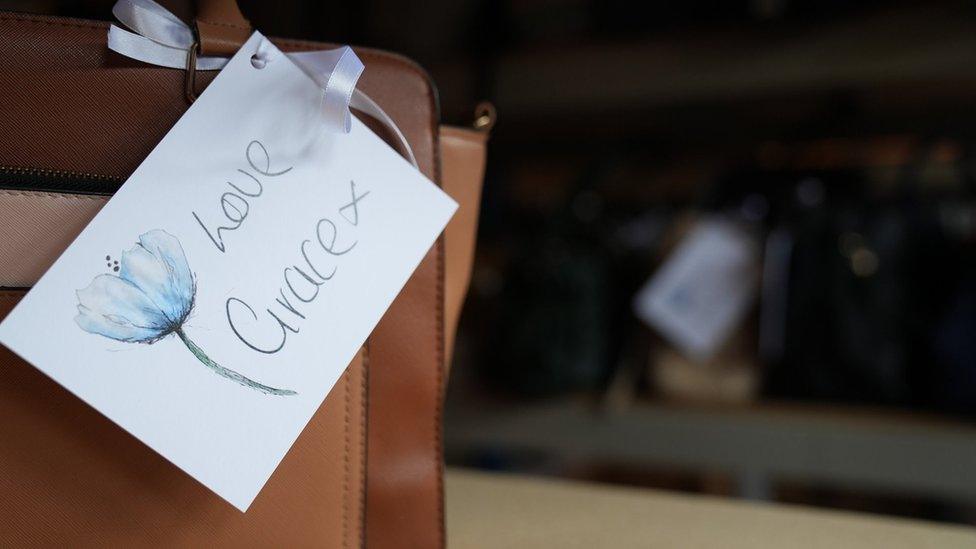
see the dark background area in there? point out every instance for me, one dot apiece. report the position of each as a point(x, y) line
point(845, 129)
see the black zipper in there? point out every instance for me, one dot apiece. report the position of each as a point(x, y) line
point(57, 181)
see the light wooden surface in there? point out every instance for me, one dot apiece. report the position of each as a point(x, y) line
point(494, 510)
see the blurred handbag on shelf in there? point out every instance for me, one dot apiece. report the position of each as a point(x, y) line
point(876, 299)
point(77, 119)
point(866, 294)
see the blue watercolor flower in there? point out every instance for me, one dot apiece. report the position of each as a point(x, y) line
point(151, 298)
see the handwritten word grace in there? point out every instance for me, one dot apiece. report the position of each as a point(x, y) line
point(317, 261)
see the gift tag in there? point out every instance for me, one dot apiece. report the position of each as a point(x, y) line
point(703, 289)
point(213, 303)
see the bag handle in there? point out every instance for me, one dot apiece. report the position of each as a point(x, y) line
point(221, 27)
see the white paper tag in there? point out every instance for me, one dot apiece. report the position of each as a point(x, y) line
point(213, 303)
point(703, 289)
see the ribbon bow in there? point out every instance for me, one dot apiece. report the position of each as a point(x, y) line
point(160, 38)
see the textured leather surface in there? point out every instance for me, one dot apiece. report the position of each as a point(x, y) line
point(70, 104)
point(35, 227)
point(72, 478)
point(462, 171)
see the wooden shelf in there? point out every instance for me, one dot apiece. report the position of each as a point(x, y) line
point(884, 47)
point(876, 450)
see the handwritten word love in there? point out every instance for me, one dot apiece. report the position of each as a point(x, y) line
point(235, 205)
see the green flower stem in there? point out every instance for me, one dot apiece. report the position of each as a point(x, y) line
point(229, 374)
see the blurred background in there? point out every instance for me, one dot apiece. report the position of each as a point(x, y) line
point(725, 247)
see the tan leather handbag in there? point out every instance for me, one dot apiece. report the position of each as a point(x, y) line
point(75, 121)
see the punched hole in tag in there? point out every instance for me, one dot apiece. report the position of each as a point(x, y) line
point(259, 61)
point(261, 56)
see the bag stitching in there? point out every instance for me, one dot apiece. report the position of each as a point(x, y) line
point(439, 396)
point(220, 24)
point(304, 44)
point(57, 22)
point(441, 358)
point(363, 448)
point(59, 196)
point(345, 478)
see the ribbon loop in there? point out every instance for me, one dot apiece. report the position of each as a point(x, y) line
point(336, 72)
point(157, 36)
point(151, 20)
point(160, 38)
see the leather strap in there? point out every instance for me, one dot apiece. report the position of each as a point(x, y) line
point(221, 27)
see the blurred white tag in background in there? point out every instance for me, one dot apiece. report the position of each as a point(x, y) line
point(703, 289)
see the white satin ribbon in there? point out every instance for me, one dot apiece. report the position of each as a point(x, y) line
point(160, 38)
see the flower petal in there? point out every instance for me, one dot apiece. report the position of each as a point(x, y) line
point(158, 267)
point(115, 308)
